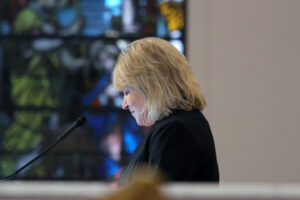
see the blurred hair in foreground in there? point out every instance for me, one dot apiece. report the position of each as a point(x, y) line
point(143, 185)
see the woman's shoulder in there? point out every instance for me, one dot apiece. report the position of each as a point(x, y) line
point(183, 117)
point(191, 123)
point(179, 119)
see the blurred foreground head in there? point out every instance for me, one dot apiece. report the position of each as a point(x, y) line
point(142, 185)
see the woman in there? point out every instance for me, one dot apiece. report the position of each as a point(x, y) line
point(162, 93)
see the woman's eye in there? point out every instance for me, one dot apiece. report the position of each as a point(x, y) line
point(126, 93)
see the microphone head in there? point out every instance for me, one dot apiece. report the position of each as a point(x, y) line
point(80, 120)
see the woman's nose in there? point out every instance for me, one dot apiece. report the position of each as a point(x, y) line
point(124, 104)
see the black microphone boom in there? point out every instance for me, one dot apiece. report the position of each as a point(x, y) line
point(79, 121)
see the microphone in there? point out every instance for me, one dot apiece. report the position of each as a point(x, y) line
point(79, 121)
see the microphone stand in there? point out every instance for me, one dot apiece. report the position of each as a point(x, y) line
point(76, 124)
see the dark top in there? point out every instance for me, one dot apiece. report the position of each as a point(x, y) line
point(181, 146)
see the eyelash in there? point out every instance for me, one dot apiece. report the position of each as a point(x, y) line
point(126, 92)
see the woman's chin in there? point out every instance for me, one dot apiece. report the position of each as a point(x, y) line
point(144, 122)
point(139, 123)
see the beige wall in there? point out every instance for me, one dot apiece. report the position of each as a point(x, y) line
point(246, 55)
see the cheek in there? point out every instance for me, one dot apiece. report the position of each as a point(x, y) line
point(137, 101)
point(140, 103)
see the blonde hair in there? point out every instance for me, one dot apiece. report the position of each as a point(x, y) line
point(162, 74)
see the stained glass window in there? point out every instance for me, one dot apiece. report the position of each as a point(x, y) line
point(56, 60)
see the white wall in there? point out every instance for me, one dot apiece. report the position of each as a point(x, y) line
point(246, 56)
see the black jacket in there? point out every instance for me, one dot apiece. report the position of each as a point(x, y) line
point(181, 146)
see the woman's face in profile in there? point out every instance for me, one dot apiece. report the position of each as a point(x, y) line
point(134, 102)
